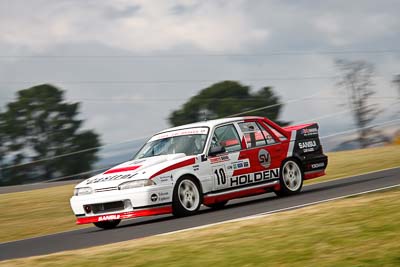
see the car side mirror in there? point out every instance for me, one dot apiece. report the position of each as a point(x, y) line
point(216, 150)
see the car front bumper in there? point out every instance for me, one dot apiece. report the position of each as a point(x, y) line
point(122, 204)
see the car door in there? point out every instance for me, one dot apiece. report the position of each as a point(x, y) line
point(222, 169)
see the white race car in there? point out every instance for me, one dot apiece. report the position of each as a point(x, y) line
point(208, 163)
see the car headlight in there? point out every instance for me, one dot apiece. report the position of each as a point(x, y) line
point(82, 191)
point(135, 184)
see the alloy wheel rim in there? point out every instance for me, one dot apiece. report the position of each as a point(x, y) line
point(189, 195)
point(292, 176)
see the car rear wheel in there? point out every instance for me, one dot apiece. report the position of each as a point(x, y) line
point(107, 224)
point(218, 205)
point(187, 197)
point(291, 180)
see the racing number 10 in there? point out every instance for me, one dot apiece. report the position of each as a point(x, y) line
point(221, 177)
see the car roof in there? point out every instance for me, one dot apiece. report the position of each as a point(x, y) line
point(209, 123)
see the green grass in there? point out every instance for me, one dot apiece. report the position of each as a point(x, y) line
point(347, 163)
point(357, 231)
point(36, 212)
point(45, 211)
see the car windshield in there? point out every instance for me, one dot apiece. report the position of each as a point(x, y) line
point(189, 142)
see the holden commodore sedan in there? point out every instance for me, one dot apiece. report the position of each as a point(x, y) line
point(205, 163)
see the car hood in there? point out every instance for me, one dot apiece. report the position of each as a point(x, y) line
point(132, 170)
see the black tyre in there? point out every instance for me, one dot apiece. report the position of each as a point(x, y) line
point(218, 205)
point(187, 197)
point(291, 178)
point(107, 224)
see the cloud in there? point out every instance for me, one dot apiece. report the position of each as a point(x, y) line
point(146, 27)
point(138, 26)
point(344, 29)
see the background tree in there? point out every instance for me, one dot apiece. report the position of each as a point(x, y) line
point(396, 82)
point(356, 80)
point(224, 99)
point(40, 125)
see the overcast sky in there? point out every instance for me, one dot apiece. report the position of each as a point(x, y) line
point(131, 63)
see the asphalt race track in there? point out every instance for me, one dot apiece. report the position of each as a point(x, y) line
point(235, 209)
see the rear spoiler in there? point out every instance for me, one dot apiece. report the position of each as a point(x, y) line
point(303, 131)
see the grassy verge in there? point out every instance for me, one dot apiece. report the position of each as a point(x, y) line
point(47, 210)
point(357, 231)
point(347, 163)
point(36, 212)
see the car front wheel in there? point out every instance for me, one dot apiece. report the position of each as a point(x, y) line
point(187, 197)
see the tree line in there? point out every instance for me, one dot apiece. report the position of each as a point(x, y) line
point(40, 127)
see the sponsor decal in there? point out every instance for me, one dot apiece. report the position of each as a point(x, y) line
point(196, 167)
point(126, 215)
point(154, 197)
point(308, 146)
point(160, 197)
point(163, 196)
point(110, 178)
point(222, 158)
point(200, 130)
point(109, 217)
point(264, 158)
point(242, 164)
point(309, 131)
point(254, 177)
point(165, 178)
point(317, 165)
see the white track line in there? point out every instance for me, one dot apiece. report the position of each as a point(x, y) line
point(265, 214)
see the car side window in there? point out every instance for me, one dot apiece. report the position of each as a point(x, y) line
point(227, 137)
point(254, 135)
point(278, 134)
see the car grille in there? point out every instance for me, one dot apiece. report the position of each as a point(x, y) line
point(106, 189)
point(108, 207)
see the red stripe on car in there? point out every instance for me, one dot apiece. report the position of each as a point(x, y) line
point(238, 194)
point(175, 166)
point(125, 215)
point(123, 169)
